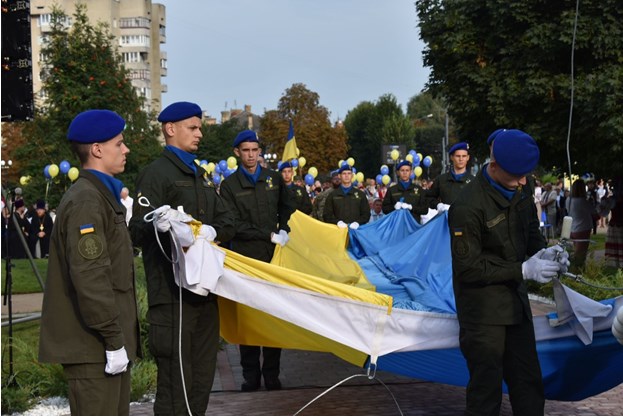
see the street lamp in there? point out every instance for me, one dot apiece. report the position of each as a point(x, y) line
point(6, 164)
point(270, 158)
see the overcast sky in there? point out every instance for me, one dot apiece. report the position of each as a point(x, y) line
point(227, 53)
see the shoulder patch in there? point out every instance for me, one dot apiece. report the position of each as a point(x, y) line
point(460, 243)
point(90, 246)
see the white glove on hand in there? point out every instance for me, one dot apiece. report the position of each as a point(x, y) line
point(538, 269)
point(398, 205)
point(116, 361)
point(342, 225)
point(354, 225)
point(161, 214)
point(284, 235)
point(406, 206)
point(443, 207)
point(207, 232)
point(558, 254)
point(280, 238)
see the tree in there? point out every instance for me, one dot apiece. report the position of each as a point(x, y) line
point(508, 64)
point(83, 70)
point(321, 144)
point(217, 141)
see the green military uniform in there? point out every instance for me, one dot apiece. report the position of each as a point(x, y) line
point(348, 207)
point(89, 303)
point(413, 194)
point(319, 202)
point(300, 198)
point(260, 209)
point(446, 188)
point(167, 180)
point(491, 237)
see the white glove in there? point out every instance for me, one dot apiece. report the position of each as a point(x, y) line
point(280, 238)
point(354, 225)
point(538, 269)
point(284, 235)
point(342, 225)
point(207, 232)
point(398, 205)
point(164, 216)
point(559, 254)
point(406, 206)
point(116, 361)
point(443, 207)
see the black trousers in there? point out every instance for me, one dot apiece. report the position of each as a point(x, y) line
point(496, 353)
point(250, 361)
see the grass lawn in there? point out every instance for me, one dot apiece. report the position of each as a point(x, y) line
point(23, 276)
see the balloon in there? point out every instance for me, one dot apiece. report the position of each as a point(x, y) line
point(295, 163)
point(412, 175)
point(205, 167)
point(419, 155)
point(394, 154)
point(339, 164)
point(384, 170)
point(344, 163)
point(73, 173)
point(409, 158)
point(351, 161)
point(412, 152)
point(418, 171)
point(217, 168)
point(379, 179)
point(228, 172)
point(302, 161)
point(279, 165)
point(53, 170)
point(222, 165)
point(385, 179)
point(64, 165)
point(309, 179)
point(359, 176)
point(216, 179)
point(427, 161)
point(46, 172)
point(231, 162)
point(23, 180)
point(416, 159)
point(210, 167)
point(313, 171)
point(203, 162)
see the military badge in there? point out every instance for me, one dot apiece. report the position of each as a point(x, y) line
point(90, 246)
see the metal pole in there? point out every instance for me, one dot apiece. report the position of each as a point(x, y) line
point(445, 144)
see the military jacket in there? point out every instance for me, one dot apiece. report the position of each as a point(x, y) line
point(414, 195)
point(490, 238)
point(350, 207)
point(167, 180)
point(318, 206)
point(259, 210)
point(300, 199)
point(446, 189)
point(89, 303)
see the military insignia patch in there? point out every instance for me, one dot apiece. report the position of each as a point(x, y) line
point(460, 247)
point(90, 246)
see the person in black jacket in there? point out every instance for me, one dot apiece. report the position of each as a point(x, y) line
point(175, 179)
point(298, 194)
point(447, 186)
point(405, 194)
point(39, 231)
point(261, 206)
point(347, 205)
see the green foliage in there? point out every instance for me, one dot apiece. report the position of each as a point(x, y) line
point(23, 279)
point(82, 70)
point(508, 64)
point(217, 141)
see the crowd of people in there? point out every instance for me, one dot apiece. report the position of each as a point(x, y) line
point(89, 324)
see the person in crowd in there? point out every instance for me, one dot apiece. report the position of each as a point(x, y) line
point(262, 207)
point(538, 194)
point(496, 245)
point(89, 321)
point(370, 190)
point(581, 210)
point(186, 341)
point(39, 231)
point(447, 186)
point(319, 203)
point(347, 205)
point(614, 234)
point(16, 235)
point(548, 205)
point(376, 211)
point(405, 194)
point(591, 195)
point(298, 194)
point(127, 202)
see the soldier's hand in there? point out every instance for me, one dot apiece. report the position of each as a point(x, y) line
point(538, 269)
point(116, 361)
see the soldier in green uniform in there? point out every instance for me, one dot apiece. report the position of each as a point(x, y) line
point(320, 200)
point(347, 205)
point(447, 186)
point(89, 320)
point(261, 206)
point(175, 179)
point(298, 194)
point(405, 194)
point(496, 245)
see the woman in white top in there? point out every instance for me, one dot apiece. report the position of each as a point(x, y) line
point(581, 210)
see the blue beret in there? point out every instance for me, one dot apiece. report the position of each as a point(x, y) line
point(245, 136)
point(458, 147)
point(345, 167)
point(404, 163)
point(493, 135)
point(334, 173)
point(515, 152)
point(179, 111)
point(286, 164)
point(95, 126)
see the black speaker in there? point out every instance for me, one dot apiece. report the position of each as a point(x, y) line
point(17, 97)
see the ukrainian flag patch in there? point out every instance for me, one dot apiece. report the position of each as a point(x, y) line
point(458, 232)
point(86, 228)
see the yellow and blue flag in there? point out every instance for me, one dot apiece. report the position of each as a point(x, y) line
point(290, 151)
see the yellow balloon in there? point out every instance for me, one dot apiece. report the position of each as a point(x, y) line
point(350, 161)
point(386, 179)
point(205, 166)
point(313, 171)
point(210, 167)
point(339, 164)
point(394, 154)
point(409, 158)
point(23, 180)
point(73, 173)
point(231, 162)
point(302, 161)
point(420, 156)
point(359, 176)
point(418, 171)
point(53, 170)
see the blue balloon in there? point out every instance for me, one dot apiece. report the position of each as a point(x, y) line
point(416, 160)
point(203, 162)
point(354, 170)
point(379, 179)
point(64, 167)
point(228, 172)
point(217, 169)
point(279, 165)
point(427, 161)
point(46, 172)
point(412, 176)
point(309, 179)
point(412, 153)
point(216, 179)
point(344, 164)
point(295, 163)
point(223, 165)
point(384, 170)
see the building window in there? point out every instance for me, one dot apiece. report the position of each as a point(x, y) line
point(131, 57)
point(134, 40)
point(134, 22)
point(163, 63)
point(45, 19)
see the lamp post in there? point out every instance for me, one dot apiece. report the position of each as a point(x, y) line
point(444, 144)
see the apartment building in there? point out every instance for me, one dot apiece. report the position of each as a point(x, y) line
point(139, 26)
